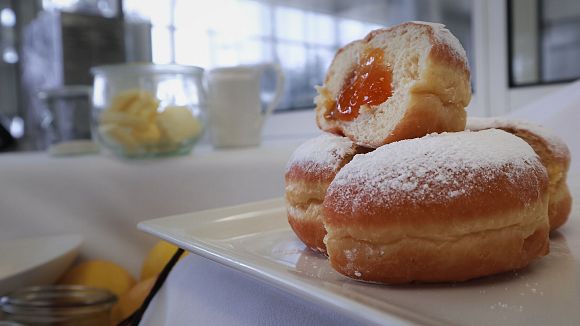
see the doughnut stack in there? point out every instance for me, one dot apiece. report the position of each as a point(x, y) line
point(398, 190)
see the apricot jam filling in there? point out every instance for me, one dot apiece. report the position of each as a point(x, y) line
point(370, 83)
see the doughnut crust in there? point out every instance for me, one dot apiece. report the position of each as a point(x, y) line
point(311, 168)
point(445, 207)
point(430, 85)
point(554, 155)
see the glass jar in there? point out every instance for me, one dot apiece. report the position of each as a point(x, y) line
point(67, 119)
point(61, 305)
point(148, 110)
point(68, 112)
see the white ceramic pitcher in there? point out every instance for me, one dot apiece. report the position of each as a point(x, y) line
point(236, 115)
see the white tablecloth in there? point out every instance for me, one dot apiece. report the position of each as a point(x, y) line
point(202, 292)
point(103, 199)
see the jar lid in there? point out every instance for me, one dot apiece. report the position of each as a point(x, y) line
point(38, 299)
point(69, 91)
point(147, 68)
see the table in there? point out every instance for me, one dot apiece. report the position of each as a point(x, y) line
point(103, 198)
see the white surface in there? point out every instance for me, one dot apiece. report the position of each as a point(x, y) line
point(203, 292)
point(74, 147)
point(35, 261)
point(257, 240)
point(293, 125)
point(103, 198)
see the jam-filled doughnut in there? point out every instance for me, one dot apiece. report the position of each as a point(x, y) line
point(396, 83)
point(309, 171)
point(445, 207)
point(553, 153)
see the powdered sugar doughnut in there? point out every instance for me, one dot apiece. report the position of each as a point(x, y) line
point(553, 153)
point(309, 171)
point(445, 207)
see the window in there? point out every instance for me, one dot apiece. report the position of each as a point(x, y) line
point(8, 65)
point(8, 53)
point(544, 41)
point(302, 36)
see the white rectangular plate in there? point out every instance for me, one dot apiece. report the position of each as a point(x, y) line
point(255, 238)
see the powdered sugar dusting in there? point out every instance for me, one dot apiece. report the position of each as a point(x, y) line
point(444, 36)
point(326, 151)
point(435, 168)
point(555, 144)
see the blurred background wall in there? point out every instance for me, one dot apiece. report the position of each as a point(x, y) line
point(518, 49)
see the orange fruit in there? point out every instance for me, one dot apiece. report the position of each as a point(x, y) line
point(157, 258)
point(131, 300)
point(100, 274)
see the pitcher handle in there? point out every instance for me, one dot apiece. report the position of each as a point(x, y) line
point(279, 89)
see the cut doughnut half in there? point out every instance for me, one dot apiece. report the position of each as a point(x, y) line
point(397, 83)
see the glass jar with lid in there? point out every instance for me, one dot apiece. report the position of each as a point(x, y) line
point(148, 110)
point(61, 305)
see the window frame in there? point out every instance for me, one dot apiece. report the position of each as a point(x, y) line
point(510, 53)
